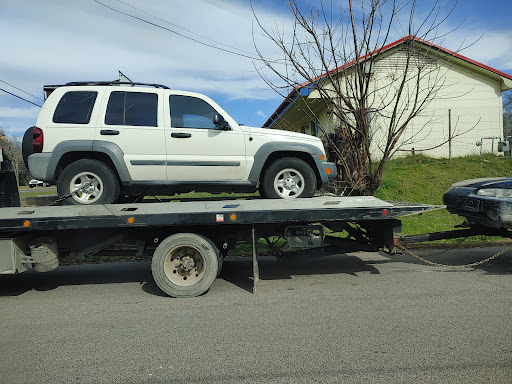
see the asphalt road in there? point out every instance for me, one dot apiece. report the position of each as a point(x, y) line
point(320, 318)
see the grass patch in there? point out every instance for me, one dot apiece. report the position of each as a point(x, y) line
point(422, 179)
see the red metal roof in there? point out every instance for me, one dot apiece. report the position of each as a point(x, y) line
point(289, 98)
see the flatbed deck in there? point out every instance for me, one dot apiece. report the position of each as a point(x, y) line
point(256, 211)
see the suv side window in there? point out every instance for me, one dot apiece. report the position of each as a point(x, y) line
point(75, 107)
point(132, 108)
point(191, 112)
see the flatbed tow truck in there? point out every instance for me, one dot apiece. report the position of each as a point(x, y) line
point(187, 240)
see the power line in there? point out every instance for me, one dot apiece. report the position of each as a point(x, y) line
point(19, 97)
point(185, 29)
point(177, 33)
point(5, 82)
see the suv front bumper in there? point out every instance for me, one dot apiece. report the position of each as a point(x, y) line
point(330, 170)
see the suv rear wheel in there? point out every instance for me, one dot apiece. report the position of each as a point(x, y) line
point(288, 177)
point(93, 182)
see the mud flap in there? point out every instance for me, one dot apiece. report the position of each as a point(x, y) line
point(255, 267)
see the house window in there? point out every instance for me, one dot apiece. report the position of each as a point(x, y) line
point(314, 128)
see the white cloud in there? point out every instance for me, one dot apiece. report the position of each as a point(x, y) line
point(261, 113)
point(75, 40)
point(9, 113)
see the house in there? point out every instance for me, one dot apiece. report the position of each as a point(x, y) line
point(463, 117)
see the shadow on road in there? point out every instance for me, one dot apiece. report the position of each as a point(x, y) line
point(238, 270)
point(235, 270)
point(15, 285)
point(319, 261)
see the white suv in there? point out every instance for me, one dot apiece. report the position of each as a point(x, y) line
point(104, 141)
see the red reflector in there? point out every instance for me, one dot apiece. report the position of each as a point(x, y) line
point(385, 212)
point(37, 142)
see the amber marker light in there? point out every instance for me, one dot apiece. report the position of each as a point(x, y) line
point(322, 157)
point(131, 220)
point(26, 223)
point(328, 171)
point(233, 217)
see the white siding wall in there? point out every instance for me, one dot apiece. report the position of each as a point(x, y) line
point(474, 102)
point(474, 105)
point(473, 99)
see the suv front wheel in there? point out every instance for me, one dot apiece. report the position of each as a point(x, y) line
point(288, 177)
point(90, 181)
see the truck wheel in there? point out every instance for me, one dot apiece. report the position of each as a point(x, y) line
point(185, 265)
point(288, 177)
point(93, 181)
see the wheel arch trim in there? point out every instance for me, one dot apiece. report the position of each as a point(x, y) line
point(287, 149)
point(113, 151)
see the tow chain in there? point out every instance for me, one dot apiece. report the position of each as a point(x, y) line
point(64, 197)
point(409, 252)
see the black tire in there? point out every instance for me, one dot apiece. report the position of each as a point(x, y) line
point(185, 265)
point(26, 145)
point(103, 184)
point(287, 178)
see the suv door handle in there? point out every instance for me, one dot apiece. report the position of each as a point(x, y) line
point(111, 132)
point(181, 135)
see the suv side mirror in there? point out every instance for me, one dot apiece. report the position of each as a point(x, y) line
point(220, 123)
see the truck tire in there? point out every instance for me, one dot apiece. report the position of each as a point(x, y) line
point(185, 265)
point(288, 178)
point(94, 181)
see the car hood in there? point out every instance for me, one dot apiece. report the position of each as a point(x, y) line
point(489, 182)
point(290, 135)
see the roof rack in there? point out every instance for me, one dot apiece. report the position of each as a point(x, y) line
point(115, 82)
point(48, 89)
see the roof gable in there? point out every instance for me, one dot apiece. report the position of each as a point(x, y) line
point(299, 89)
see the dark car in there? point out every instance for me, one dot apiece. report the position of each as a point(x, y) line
point(482, 201)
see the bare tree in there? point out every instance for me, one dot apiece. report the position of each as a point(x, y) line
point(330, 60)
point(11, 145)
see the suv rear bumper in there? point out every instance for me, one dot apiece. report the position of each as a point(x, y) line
point(38, 164)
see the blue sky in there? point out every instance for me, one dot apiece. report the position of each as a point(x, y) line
point(57, 41)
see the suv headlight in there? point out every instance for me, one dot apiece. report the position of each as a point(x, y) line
point(495, 192)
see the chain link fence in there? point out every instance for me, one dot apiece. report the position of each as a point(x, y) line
point(454, 132)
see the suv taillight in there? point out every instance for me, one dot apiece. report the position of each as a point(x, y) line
point(37, 142)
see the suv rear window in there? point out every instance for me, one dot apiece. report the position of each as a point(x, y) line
point(132, 108)
point(75, 107)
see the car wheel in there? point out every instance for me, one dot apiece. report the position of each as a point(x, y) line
point(93, 182)
point(288, 178)
point(32, 186)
